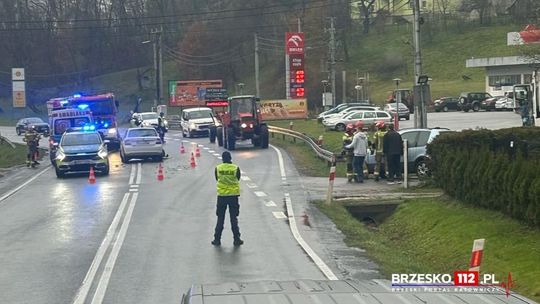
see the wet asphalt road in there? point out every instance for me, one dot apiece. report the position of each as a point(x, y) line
point(56, 232)
point(132, 239)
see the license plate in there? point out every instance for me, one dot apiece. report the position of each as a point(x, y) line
point(82, 162)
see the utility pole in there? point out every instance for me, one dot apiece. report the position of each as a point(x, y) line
point(257, 88)
point(344, 86)
point(158, 63)
point(332, 49)
point(420, 115)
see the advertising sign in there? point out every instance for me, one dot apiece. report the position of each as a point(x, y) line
point(530, 34)
point(190, 92)
point(294, 43)
point(17, 74)
point(284, 109)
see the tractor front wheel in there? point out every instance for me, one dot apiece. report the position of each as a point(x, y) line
point(231, 139)
point(219, 136)
point(264, 137)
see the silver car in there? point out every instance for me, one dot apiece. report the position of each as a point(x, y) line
point(367, 117)
point(141, 143)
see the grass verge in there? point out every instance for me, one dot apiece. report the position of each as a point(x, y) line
point(436, 235)
point(11, 157)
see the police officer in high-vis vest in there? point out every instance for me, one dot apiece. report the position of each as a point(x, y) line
point(228, 190)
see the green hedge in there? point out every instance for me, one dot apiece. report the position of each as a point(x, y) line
point(498, 170)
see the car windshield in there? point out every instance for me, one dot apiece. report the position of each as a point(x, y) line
point(149, 116)
point(142, 133)
point(78, 139)
point(200, 114)
point(34, 120)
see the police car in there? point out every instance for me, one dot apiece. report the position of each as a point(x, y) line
point(79, 149)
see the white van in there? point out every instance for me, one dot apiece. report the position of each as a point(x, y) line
point(196, 121)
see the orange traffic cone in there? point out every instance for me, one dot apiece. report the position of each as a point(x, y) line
point(92, 176)
point(160, 173)
point(193, 163)
point(197, 152)
point(182, 150)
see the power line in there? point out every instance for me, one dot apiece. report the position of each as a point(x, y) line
point(153, 24)
point(183, 61)
point(220, 54)
point(48, 21)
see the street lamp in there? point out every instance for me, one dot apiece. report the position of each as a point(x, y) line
point(241, 86)
point(398, 99)
point(360, 83)
point(423, 81)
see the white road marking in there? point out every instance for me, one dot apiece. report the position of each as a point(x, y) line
point(245, 178)
point(211, 151)
point(82, 293)
point(270, 204)
point(251, 185)
point(133, 190)
point(206, 148)
point(260, 193)
point(294, 229)
point(216, 154)
point(139, 170)
point(107, 271)
point(134, 186)
point(279, 215)
point(219, 157)
point(177, 139)
point(186, 141)
point(132, 174)
point(11, 192)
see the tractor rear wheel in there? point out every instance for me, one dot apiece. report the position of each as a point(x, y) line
point(264, 137)
point(219, 136)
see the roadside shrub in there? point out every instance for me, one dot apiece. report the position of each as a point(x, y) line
point(497, 170)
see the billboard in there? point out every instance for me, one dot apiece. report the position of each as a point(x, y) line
point(530, 34)
point(284, 109)
point(190, 92)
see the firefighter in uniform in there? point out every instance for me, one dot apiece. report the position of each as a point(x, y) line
point(348, 153)
point(380, 169)
point(31, 137)
point(228, 190)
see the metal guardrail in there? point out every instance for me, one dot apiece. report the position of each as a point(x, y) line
point(6, 140)
point(321, 153)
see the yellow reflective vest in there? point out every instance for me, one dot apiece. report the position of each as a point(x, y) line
point(379, 137)
point(227, 182)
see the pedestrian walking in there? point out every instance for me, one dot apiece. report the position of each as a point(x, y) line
point(393, 149)
point(227, 176)
point(359, 146)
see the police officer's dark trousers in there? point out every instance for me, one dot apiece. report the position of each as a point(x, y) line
point(234, 210)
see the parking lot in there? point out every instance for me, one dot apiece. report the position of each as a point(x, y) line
point(459, 120)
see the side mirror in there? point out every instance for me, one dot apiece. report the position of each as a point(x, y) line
point(106, 141)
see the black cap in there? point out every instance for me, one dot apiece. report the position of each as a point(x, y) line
point(226, 157)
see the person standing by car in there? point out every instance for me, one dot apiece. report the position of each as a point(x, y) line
point(393, 148)
point(349, 153)
point(359, 146)
point(228, 190)
point(380, 168)
point(161, 126)
point(31, 137)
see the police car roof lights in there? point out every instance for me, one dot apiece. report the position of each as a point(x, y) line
point(82, 106)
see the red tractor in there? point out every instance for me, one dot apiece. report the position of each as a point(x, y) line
point(242, 120)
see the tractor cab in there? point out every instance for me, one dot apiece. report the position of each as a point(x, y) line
point(241, 121)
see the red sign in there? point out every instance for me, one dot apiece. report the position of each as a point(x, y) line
point(466, 278)
point(294, 43)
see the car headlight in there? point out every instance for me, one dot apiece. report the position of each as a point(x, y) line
point(192, 125)
point(103, 153)
point(60, 155)
point(243, 125)
point(112, 131)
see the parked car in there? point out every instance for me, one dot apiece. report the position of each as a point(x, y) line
point(403, 110)
point(472, 101)
point(78, 150)
point(26, 123)
point(351, 109)
point(417, 140)
point(489, 104)
point(196, 121)
point(506, 102)
point(340, 107)
point(141, 143)
point(446, 103)
point(367, 117)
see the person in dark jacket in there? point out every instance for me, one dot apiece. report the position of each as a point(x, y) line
point(393, 149)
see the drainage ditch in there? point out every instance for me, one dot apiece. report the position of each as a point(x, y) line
point(372, 214)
